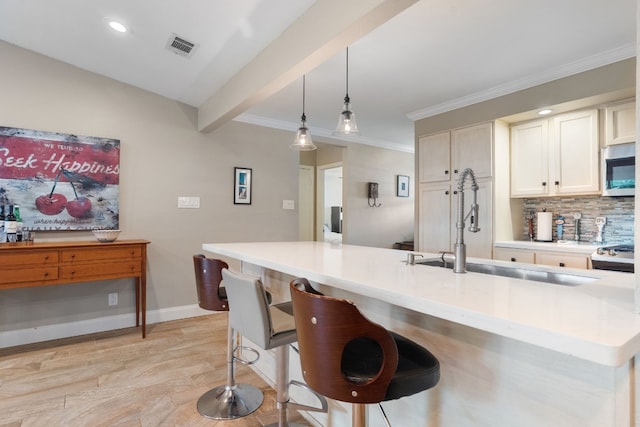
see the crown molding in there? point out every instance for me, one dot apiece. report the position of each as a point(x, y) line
point(609, 57)
point(321, 132)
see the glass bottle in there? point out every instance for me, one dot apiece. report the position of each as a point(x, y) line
point(3, 234)
point(16, 212)
point(10, 225)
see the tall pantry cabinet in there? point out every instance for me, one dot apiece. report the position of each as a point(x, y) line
point(442, 157)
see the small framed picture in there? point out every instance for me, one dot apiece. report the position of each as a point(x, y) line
point(403, 186)
point(242, 186)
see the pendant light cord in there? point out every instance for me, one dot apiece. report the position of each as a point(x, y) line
point(304, 117)
point(346, 97)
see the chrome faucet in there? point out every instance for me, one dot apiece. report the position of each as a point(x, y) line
point(459, 255)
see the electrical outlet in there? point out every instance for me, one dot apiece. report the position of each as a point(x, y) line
point(288, 204)
point(185, 202)
point(113, 298)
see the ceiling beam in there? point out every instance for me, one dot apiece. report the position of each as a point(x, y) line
point(327, 27)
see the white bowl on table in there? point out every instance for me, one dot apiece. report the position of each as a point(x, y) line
point(105, 236)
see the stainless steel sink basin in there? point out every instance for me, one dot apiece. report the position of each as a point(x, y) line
point(517, 273)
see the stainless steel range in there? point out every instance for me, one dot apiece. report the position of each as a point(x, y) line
point(615, 258)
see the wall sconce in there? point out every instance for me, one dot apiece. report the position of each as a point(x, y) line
point(373, 195)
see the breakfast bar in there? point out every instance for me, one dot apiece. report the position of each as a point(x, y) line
point(512, 351)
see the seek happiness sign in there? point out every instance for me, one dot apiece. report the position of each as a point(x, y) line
point(60, 181)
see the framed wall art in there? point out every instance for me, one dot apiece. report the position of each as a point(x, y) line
point(60, 181)
point(403, 186)
point(242, 186)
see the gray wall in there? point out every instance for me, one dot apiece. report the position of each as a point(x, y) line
point(163, 156)
point(393, 220)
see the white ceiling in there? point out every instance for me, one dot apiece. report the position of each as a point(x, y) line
point(433, 56)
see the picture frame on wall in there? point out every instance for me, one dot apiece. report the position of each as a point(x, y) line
point(62, 182)
point(242, 186)
point(403, 186)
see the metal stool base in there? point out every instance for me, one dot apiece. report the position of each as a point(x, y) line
point(227, 403)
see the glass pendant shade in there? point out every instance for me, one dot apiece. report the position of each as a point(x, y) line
point(347, 121)
point(303, 141)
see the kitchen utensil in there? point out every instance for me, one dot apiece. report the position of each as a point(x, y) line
point(577, 216)
point(600, 222)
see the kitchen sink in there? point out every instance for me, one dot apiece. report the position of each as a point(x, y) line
point(517, 273)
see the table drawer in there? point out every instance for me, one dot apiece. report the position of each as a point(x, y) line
point(102, 269)
point(29, 274)
point(105, 253)
point(28, 258)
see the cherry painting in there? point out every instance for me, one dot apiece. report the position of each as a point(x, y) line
point(60, 181)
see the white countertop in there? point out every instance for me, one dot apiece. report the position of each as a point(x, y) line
point(569, 246)
point(593, 321)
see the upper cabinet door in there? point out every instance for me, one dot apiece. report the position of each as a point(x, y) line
point(529, 159)
point(574, 165)
point(435, 158)
point(621, 123)
point(472, 148)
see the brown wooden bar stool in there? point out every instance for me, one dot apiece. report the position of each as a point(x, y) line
point(231, 400)
point(269, 327)
point(346, 357)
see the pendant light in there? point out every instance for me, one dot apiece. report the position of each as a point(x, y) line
point(347, 121)
point(303, 140)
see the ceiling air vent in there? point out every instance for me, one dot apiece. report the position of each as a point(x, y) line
point(181, 46)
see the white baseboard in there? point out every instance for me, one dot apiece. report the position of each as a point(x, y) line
point(90, 326)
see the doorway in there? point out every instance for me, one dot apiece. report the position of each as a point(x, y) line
point(329, 207)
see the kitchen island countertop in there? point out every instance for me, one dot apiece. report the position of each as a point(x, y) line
point(594, 321)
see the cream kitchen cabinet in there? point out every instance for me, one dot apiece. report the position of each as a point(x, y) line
point(542, 257)
point(437, 217)
point(514, 255)
point(443, 156)
point(620, 123)
point(556, 157)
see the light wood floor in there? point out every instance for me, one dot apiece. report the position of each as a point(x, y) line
point(119, 379)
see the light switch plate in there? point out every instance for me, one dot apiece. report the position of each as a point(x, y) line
point(288, 204)
point(185, 202)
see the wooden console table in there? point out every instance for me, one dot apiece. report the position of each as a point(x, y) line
point(24, 265)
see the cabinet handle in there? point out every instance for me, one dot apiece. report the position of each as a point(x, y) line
point(446, 192)
point(562, 264)
point(446, 172)
point(455, 171)
point(544, 183)
point(46, 274)
point(513, 259)
point(557, 183)
point(455, 192)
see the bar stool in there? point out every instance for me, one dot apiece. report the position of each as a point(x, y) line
point(346, 357)
point(270, 327)
point(231, 400)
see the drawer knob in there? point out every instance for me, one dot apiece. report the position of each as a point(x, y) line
point(513, 259)
point(562, 264)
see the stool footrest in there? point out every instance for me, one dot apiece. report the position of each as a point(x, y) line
point(241, 359)
point(324, 406)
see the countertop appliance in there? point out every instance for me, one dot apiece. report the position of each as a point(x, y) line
point(614, 258)
point(619, 170)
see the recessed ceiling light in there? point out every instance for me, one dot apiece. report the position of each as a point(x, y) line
point(117, 26)
point(544, 112)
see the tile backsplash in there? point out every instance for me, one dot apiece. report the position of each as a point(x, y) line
point(619, 212)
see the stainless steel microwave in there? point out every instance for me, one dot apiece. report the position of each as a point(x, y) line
point(619, 170)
